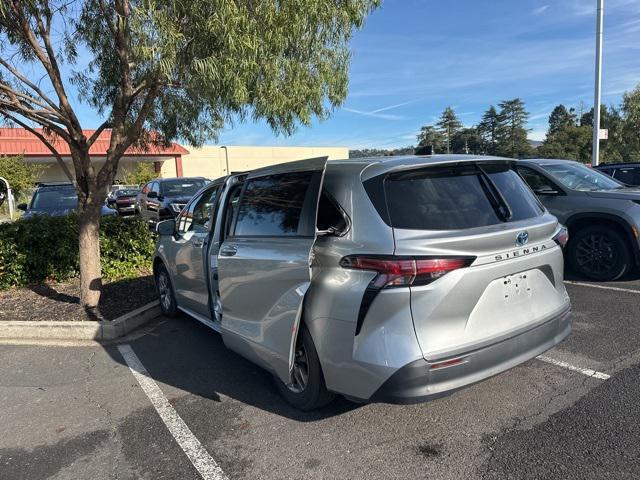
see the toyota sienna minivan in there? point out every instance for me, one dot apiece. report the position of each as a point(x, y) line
point(384, 280)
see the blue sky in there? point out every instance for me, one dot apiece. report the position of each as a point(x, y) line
point(415, 57)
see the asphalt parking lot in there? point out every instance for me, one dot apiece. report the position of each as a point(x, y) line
point(86, 411)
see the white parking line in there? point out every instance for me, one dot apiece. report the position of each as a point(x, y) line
point(200, 458)
point(602, 287)
point(585, 371)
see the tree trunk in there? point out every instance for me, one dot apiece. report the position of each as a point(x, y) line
point(90, 269)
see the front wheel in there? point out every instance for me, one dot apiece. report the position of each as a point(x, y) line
point(599, 253)
point(167, 296)
point(307, 390)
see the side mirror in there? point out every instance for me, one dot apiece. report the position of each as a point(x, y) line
point(166, 227)
point(22, 206)
point(546, 190)
point(152, 194)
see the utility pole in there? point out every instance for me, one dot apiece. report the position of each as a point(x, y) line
point(595, 159)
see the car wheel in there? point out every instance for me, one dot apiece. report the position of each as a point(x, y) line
point(166, 294)
point(307, 391)
point(599, 253)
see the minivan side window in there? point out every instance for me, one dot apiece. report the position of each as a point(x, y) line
point(273, 206)
point(198, 215)
point(330, 215)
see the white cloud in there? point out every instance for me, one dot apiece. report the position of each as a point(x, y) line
point(540, 10)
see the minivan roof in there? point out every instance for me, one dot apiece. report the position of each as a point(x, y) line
point(547, 161)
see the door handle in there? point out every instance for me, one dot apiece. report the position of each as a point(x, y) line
point(228, 251)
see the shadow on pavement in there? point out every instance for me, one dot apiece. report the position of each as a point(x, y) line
point(189, 356)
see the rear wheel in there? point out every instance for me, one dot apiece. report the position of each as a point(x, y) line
point(307, 390)
point(167, 296)
point(599, 253)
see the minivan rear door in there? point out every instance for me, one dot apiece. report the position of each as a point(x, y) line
point(264, 263)
point(484, 212)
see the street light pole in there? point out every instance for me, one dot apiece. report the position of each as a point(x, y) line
point(226, 158)
point(595, 159)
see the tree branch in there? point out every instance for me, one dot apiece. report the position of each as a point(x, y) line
point(46, 142)
point(28, 83)
point(106, 124)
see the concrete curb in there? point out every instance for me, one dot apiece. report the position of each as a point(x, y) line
point(102, 330)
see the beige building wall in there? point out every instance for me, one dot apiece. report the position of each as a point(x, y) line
point(210, 160)
point(51, 171)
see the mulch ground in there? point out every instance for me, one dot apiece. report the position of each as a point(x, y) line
point(60, 301)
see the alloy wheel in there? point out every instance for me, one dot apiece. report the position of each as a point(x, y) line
point(300, 372)
point(164, 290)
point(596, 253)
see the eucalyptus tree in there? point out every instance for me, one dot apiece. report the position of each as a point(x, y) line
point(158, 70)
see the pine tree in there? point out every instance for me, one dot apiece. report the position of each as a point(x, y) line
point(512, 131)
point(449, 125)
point(488, 130)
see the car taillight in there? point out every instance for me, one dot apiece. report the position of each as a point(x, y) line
point(395, 271)
point(403, 272)
point(562, 237)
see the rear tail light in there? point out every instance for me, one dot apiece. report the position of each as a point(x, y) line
point(403, 272)
point(399, 272)
point(562, 237)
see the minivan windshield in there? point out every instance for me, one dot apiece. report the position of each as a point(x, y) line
point(458, 197)
point(577, 176)
point(182, 187)
point(55, 197)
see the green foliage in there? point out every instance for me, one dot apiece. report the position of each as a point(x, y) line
point(21, 176)
point(142, 173)
point(488, 130)
point(561, 118)
point(448, 125)
point(429, 136)
point(212, 60)
point(568, 141)
point(512, 132)
point(44, 247)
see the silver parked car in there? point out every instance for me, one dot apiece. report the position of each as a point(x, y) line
point(394, 280)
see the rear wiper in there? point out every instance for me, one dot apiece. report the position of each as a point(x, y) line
point(499, 203)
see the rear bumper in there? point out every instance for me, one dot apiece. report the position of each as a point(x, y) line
point(417, 382)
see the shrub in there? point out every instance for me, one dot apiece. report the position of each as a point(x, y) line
point(44, 247)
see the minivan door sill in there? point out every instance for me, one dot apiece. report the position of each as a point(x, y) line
point(201, 318)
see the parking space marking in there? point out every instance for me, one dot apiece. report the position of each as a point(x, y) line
point(199, 457)
point(602, 287)
point(585, 371)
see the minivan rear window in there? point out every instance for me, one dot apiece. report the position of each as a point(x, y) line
point(458, 197)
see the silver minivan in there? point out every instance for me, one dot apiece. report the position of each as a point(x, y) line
point(391, 280)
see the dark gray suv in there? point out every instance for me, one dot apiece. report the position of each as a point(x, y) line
point(602, 215)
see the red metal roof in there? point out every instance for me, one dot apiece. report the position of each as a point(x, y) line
point(18, 141)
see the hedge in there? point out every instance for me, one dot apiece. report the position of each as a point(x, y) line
point(44, 247)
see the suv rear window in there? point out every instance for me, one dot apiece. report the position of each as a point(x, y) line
point(457, 197)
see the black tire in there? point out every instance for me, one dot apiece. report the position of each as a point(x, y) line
point(314, 394)
point(599, 253)
point(165, 291)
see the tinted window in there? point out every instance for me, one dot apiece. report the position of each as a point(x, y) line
point(330, 215)
point(630, 176)
point(49, 197)
point(455, 198)
point(536, 180)
point(231, 208)
point(272, 205)
point(126, 193)
point(198, 215)
point(182, 187)
point(155, 187)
